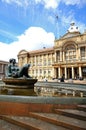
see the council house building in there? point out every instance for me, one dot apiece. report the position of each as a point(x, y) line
point(67, 57)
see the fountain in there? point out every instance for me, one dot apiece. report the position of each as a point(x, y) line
point(17, 81)
point(38, 112)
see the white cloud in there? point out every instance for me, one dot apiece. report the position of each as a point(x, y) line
point(50, 4)
point(32, 39)
point(55, 3)
point(23, 3)
point(71, 2)
point(79, 3)
point(47, 3)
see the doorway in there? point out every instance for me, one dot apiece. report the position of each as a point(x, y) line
point(69, 73)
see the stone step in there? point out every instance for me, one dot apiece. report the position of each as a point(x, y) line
point(30, 123)
point(63, 121)
point(4, 125)
point(82, 107)
point(77, 114)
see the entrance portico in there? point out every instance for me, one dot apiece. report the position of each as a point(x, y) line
point(69, 72)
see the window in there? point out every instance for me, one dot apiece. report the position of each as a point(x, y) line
point(40, 71)
point(70, 52)
point(49, 61)
point(82, 51)
point(58, 55)
point(44, 71)
point(1, 68)
point(49, 72)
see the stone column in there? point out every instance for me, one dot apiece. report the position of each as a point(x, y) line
point(60, 55)
point(80, 71)
point(47, 72)
point(42, 60)
point(42, 66)
point(35, 73)
point(78, 56)
point(35, 61)
point(46, 59)
point(72, 72)
point(38, 72)
point(53, 73)
point(63, 56)
point(55, 56)
point(51, 59)
point(65, 72)
point(59, 72)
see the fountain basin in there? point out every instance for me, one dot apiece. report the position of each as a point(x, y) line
point(18, 86)
point(19, 81)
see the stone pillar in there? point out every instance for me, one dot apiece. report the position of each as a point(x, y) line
point(46, 60)
point(65, 72)
point(35, 73)
point(38, 72)
point(53, 74)
point(51, 58)
point(35, 61)
point(55, 56)
point(63, 56)
point(72, 72)
point(78, 56)
point(42, 72)
point(59, 72)
point(42, 60)
point(60, 55)
point(80, 71)
point(47, 72)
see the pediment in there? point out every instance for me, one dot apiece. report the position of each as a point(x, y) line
point(22, 52)
point(70, 34)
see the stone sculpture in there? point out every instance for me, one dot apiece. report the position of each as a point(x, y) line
point(16, 72)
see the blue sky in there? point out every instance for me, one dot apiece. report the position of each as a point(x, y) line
point(34, 24)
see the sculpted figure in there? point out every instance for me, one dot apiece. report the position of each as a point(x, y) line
point(15, 71)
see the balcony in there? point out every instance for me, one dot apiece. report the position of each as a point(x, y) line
point(80, 60)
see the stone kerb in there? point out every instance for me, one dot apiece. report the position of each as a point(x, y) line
point(42, 100)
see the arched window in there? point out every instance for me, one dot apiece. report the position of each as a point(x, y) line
point(70, 52)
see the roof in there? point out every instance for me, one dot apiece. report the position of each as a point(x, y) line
point(44, 50)
point(3, 62)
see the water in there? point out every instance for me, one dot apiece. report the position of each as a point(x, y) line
point(49, 91)
point(17, 91)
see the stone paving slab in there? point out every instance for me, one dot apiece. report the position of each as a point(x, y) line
point(35, 124)
point(4, 125)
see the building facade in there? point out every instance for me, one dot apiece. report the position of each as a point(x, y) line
point(67, 57)
point(41, 62)
point(3, 66)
